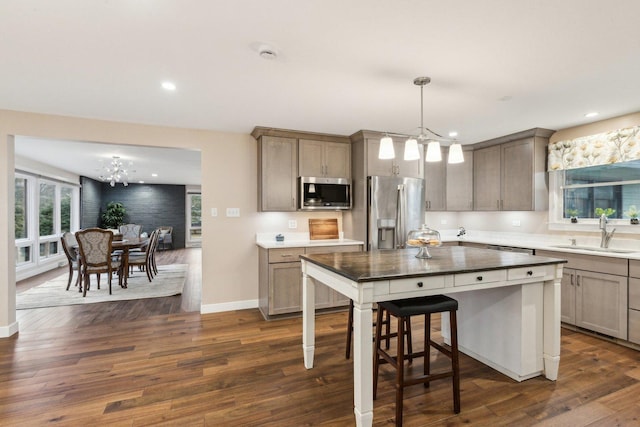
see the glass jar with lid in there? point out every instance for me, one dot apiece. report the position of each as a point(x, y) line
point(424, 238)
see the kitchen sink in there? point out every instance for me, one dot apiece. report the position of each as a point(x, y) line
point(595, 249)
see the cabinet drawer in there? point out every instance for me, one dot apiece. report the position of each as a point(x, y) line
point(634, 326)
point(285, 255)
point(479, 277)
point(331, 249)
point(634, 293)
point(526, 272)
point(408, 285)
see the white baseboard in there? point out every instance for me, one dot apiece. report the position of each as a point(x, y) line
point(228, 306)
point(7, 331)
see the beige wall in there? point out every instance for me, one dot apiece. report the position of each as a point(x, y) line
point(229, 179)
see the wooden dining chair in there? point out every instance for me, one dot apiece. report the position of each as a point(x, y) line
point(96, 253)
point(129, 231)
point(145, 259)
point(69, 246)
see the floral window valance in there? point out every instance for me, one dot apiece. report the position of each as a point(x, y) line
point(616, 146)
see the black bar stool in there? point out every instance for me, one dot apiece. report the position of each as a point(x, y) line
point(403, 310)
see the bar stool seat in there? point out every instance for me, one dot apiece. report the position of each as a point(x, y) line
point(403, 310)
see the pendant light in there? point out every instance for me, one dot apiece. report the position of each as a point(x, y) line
point(411, 150)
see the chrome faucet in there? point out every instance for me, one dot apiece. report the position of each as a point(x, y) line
point(606, 235)
point(461, 232)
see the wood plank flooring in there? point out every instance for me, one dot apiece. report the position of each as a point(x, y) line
point(160, 363)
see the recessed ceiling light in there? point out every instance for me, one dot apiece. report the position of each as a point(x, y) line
point(453, 134)
point(168, 86)
point(154, 174)
point(591, 114)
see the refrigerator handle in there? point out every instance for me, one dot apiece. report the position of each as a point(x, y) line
point(401, 206)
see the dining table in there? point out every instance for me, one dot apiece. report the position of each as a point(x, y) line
point(125, 245)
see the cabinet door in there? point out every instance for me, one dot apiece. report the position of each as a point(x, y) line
point(517, 176)
point(486, 179)
point(376, 166)
point(408, 168)
point(285, 288)
point(435, 185)
point(568, 296)
point(325, 296)
point(459, 183)
point(337, 160)
point(601, 303)
point(278, 173)
point(311, 157)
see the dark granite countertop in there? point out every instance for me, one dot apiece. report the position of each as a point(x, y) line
point(402, 263)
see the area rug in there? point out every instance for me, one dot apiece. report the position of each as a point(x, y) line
point(168, 282)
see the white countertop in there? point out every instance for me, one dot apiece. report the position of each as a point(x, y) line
point(299, 240)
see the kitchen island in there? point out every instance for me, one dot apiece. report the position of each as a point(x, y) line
point(509, 306)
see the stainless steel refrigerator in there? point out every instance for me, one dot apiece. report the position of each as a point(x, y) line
point(395, 206)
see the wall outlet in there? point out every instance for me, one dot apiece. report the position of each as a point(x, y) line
point(214, 211)
point(443, 222)
point(515, 223)
point(233, 212)
point(293, 223)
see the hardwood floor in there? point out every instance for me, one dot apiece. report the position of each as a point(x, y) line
point(158, 363)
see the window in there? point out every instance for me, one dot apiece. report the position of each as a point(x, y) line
point(44, 209)
point(194, 219)
point(587, 193)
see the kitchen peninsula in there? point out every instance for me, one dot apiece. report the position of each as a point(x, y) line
point(509, 305)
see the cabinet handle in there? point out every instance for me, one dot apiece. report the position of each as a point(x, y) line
point(498, 204)
point(578, 280)
point(420, 284)
point(529, 273)
point(572, 284)
point(479, 278)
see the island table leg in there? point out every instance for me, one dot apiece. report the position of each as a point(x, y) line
point(308, 320)
point(551, 327)
point(363, 363)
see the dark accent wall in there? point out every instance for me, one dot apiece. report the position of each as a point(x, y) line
point(90, 202)
point(150, 205)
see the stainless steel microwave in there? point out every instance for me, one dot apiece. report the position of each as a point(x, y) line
point(323, 193)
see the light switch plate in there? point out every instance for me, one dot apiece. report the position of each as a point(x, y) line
point(515, 223)
point(233, 212)
point(214, 211)
point(293, 223)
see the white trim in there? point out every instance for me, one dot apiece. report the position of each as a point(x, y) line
point(228, 306)
point(7, 331)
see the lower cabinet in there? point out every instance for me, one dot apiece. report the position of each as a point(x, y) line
point(634, 301)
point(594, 300)
point(280, 280)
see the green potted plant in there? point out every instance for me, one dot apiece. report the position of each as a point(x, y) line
point(573, 215)
point(113, 216)
point(632, 213)
point(607, 212)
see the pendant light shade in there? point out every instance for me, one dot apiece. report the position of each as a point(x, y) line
point(386, 148)
point(411, 151)
point(455, 153)
point(433, 152)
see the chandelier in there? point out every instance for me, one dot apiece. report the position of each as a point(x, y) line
point(115, 172)
point(411, 151)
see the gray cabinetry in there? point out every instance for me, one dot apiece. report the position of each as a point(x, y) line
point(280, 280)
point(459, 184)
point(324, 159)
point(634, 301)
point(387, 167)
point(594, 292)
point(278, 169)
point(509, 172)
point(435, 184)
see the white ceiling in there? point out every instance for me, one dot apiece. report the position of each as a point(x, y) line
point(497, 66)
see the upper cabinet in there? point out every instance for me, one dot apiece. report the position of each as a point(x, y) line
point(324, 158)
point(509, 172)
point(460, 184)
point(284, 155)
point(366, 145)
point(435, 185)
point(278, 169)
